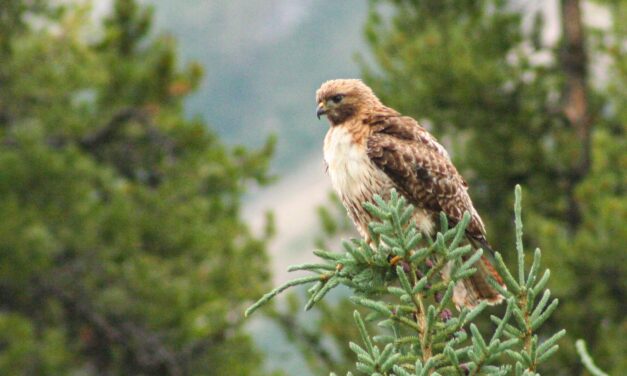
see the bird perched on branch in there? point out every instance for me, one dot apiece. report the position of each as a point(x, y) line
point(371, 148)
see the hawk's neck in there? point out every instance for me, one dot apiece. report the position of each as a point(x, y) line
point(360, 126)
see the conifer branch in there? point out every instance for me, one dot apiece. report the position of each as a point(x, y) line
point(586, 359)
point(406, 282)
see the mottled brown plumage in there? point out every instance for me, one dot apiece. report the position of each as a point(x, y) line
point(370, 149)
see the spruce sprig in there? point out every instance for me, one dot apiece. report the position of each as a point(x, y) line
point(586, 359)
point(406, 282)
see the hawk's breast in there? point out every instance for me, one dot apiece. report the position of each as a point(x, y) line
point(356, 179)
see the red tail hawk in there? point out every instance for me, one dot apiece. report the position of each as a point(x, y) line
point(370, 149)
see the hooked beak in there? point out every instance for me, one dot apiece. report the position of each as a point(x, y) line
point(321, 110)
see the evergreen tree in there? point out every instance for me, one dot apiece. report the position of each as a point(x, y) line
point(122, 250)
point(519, 109)
point(406, 284)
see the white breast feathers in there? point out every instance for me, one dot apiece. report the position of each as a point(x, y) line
point(356, 179)
point(353, 175)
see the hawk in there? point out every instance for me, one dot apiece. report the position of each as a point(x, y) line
point(371, 148)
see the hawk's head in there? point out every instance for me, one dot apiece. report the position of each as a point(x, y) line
point(342, 99)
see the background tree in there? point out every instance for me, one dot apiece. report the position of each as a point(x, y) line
point(519, 109)
point(121, 242)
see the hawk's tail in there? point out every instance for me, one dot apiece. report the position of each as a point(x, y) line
point(470, 291)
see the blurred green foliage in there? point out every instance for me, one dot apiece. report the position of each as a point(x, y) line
point(500, 95)
point(122, 250)
point(320, 335)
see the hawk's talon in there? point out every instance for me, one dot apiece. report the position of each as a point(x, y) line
point(394, 260)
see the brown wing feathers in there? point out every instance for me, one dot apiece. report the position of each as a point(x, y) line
point(420, 167)
point(423, 172)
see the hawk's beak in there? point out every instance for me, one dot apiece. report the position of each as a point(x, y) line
point(321, 110)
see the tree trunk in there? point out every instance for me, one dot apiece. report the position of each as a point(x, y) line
point(574, 63)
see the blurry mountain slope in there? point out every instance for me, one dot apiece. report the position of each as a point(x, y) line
point(263, 62)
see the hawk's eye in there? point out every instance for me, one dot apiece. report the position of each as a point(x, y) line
point(337, 98)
